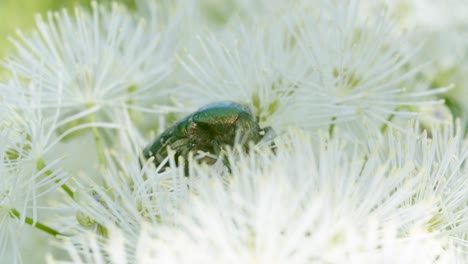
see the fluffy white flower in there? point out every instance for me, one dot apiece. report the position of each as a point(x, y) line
point(417, 14)
point(30, 170)
point(28, 138)
point(296, 205)
point(358, 195)
point(253, 65)
point(359, 77)
point(441, 160)
point(443, 28)
point(105, 59)
point(311, 67)
point(126, 193)
point(22, 185)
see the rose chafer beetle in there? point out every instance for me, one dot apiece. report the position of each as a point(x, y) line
point(208, 129)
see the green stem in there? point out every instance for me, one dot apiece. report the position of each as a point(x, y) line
point(332, 127)
point(390, 118)
point(67, 190)
point(37, 225)
point(466, 129)
point(364, 163)
point(97, 139)
point(40, 164)
point(385, 125)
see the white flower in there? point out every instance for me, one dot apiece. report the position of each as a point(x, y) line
point(441, 160)
point(302, 206)
point(418, 14)
point(93, 249)
point(249, 64)
point(299, 204)
point(443, 28)
point(126, 193)
point(364, 193)
point(28, 139)
point(30, 169)
point(359, 77)
point(313, 66)
point(105, 59)
point(21, 188)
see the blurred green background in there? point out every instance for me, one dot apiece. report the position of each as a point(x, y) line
point(20, 14)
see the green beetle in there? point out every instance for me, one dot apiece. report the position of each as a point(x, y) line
point(208, 129)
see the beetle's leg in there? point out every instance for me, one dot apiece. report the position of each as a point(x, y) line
point(226, 163)
point(221, 153)
point(268, 135)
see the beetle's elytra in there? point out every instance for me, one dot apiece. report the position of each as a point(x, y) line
point(208, 129)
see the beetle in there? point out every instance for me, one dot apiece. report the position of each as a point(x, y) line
point(208, 129)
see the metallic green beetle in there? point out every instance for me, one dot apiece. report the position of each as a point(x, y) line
point(208, 129)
